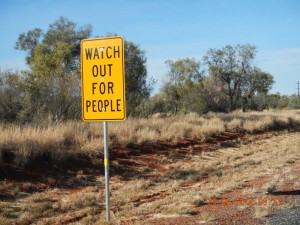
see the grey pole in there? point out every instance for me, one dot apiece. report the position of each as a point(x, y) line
point(106, 168)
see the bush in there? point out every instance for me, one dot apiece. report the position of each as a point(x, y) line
point(294, 102)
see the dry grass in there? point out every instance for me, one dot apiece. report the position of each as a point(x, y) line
point(261, 212)
point(58, 142)
point(163, 196)
point(206, 218)
point(225, 172)
point(81, 200)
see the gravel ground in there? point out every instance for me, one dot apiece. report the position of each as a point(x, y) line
point(286, 217)
point(289, 216)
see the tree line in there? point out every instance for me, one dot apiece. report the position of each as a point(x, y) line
point(50, 87)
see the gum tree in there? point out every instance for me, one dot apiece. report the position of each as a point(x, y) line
point(233, 67)
point(184, 77)
point(53, 81)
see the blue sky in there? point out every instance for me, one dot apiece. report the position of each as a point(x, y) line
point(174, 29)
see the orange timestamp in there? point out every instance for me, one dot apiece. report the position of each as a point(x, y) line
point(247, 201)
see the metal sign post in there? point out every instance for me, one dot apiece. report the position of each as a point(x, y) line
point(106, 168)
point(103, 89)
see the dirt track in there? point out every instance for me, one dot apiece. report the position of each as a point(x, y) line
point(164, 183)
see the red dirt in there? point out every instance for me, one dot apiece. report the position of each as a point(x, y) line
point(226, 210)
point(132, 158)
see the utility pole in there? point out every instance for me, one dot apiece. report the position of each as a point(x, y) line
point(298, 87)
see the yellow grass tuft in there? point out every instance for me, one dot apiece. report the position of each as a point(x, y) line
point(58, 142)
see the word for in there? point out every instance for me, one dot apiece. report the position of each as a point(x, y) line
point(247, 201)
point(103, 87)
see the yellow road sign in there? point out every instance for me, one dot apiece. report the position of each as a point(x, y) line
point(103, 79)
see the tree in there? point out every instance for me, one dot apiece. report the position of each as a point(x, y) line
point(234, 68)
point(258, 82)
point(137, 87)
point(173, 97)
point(231, 65)
point(277, 101)
point(54, 79)
point(193, 98)
point(151, 106)
point(212, 95)
point(27, 42)
point(12, 96)
point(294, 102)
point(183, 71)
point(184, 75)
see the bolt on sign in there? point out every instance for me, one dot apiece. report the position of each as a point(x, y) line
point(103, 79)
